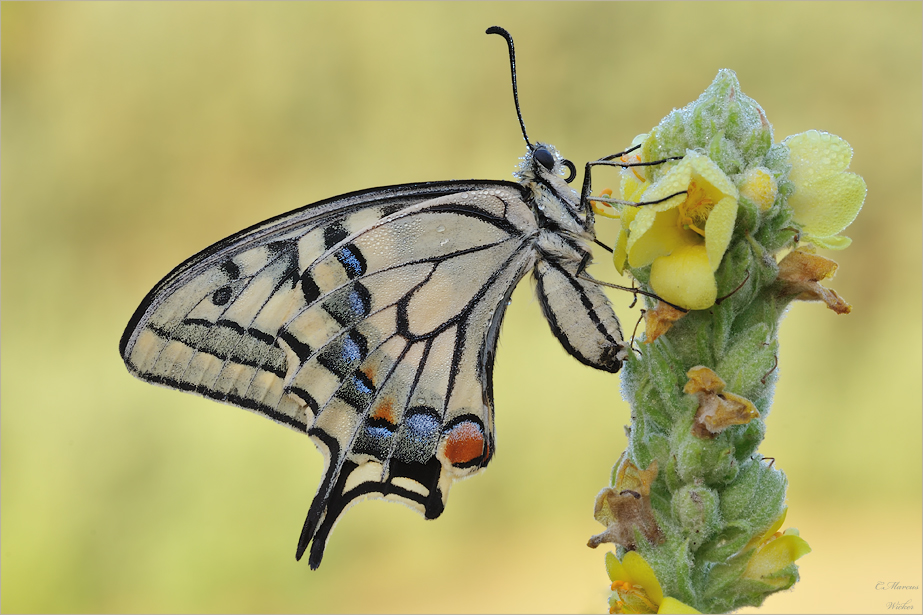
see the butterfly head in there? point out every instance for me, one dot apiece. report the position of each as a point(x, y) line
point(542, 162)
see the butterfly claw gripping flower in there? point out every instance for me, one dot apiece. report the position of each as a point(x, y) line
point(730, 251)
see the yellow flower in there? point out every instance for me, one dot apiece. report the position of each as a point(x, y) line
point(685, 237)
point(827, 198)
point(775, 551)
point(635, 588)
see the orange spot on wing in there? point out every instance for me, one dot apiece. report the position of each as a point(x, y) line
point(464, 442)
point(384, 410)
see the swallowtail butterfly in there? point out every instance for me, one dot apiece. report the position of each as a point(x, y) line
point(369, 321)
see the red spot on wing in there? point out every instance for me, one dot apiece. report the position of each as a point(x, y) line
point(384, 409)
point(464, 442)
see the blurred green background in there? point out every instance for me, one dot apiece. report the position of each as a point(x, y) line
point(136, 134)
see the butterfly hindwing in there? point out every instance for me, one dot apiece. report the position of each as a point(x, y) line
point(368, 321)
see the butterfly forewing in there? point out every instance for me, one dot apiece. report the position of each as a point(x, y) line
point(369, 321)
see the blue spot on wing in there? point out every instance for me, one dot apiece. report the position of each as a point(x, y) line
point(349, 305)
point(358, 391)
point(375, 439)
point(352, 353)
point(343, 355)
point(419, 435)
point(379, 433)
point(358, 303)
point(352, 260)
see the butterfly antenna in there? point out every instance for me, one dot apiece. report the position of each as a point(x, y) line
point(509, 41)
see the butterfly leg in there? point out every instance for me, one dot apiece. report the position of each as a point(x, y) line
point(587, 188)
point(609, 161)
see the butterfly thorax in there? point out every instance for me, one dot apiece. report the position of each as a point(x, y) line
point(565, 229)
point(555, 204)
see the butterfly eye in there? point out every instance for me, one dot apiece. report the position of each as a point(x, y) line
point(544, 157)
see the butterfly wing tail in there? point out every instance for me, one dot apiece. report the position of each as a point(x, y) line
point(331, 448)
point(420, 484)
point(307, 534)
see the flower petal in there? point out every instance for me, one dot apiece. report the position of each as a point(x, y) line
point(827, 206)
point(675, 180)
point(765, 536)
point(837, 242)
point(816, 154)
point(800, 273)
point(642, 574)
point(620, 253)
point(776, 555)
point(685, 278)
point(626, 509)
point(660, 320)
point(654, 234)
point(632, 187)
point(672, 605)
point(826, 199)
point(614, 568)
point(711, 173)
point(718, 230)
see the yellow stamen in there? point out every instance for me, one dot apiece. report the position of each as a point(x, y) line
point(603, 208)
point(689, 226)
point(694, 211)
point(626, 159)
point(636, 591)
